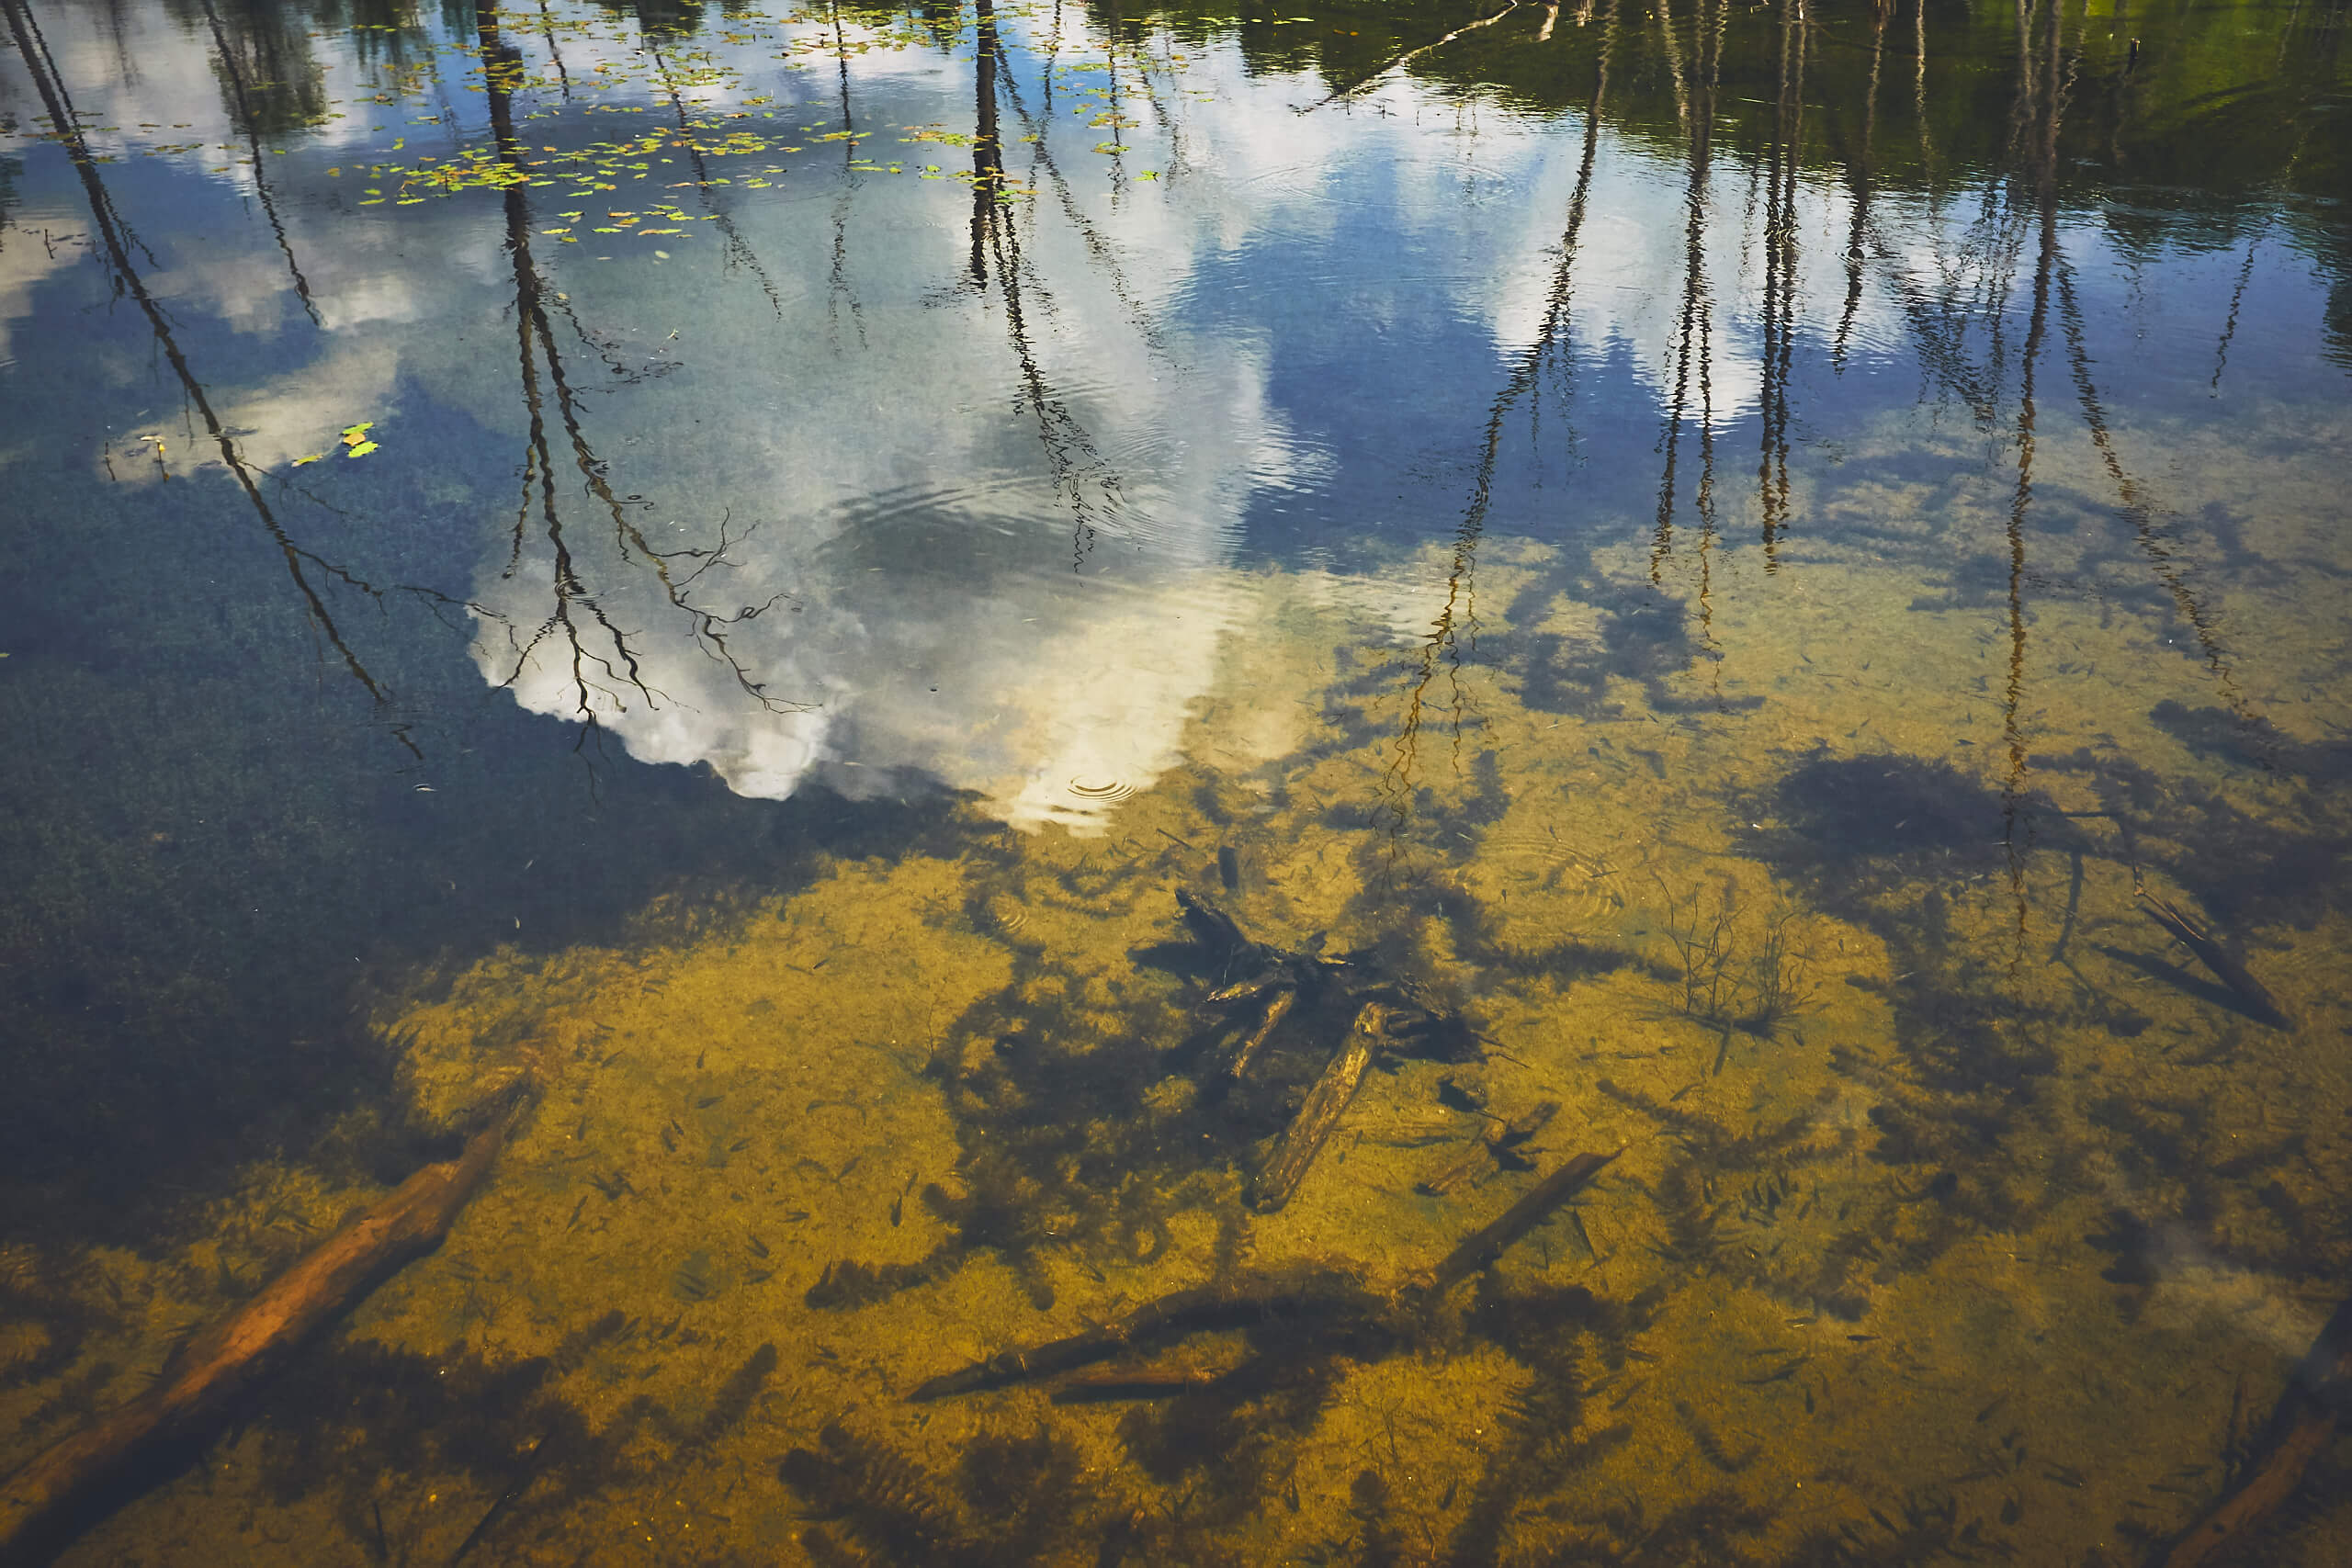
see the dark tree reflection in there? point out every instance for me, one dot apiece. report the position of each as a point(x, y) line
point(578, 634)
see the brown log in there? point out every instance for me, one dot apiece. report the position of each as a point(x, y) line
point(1276, 1010)
point(1533, 1209)
point(1253, 1301)
point(2215, 954)
point(2303, 1423)
point(1303, 1139)
point(44, 1501)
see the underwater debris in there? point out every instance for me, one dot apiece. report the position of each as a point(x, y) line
point(1246, 1302)
point(218, 1365)
point(1498, 1145)
point(1304, 1137)
point(1328, 1297)
point(1536, 1205)
point(2303, 1424)
point(2215, 955)
point(847, 1282)
point(878, 1494)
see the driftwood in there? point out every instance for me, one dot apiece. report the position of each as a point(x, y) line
point(1276, 1010)
point(2303, 1423)
point(44, 1503)
point(1327, 1296)
point(1536, 1206)
point(2215, 954)
point(1304, 1137)
point(1251, 1301)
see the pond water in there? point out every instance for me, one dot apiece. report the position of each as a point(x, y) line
point(1061, 690)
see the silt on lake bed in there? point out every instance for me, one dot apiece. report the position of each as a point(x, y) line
point(1496, 782)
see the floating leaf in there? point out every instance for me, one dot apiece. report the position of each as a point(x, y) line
point(361, 450)
point(312, 459)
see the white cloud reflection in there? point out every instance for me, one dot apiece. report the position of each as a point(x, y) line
point(1000, 555)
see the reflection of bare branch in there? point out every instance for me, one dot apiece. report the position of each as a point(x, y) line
point(1077, 467)
point(1781, 277)
point(25, 33)
point(2139, 508)
point(1861, 173)
point(242, 115)
point(1442, 648)
point(1399, 61)
point(1097, 246)
point(739, 250)
point(601, 662)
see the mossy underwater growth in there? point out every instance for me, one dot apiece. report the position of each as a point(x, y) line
point(1936, 1230)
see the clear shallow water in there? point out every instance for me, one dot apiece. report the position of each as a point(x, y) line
point(1722, 546)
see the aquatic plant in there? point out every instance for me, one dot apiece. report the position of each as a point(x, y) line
point(1723, 987)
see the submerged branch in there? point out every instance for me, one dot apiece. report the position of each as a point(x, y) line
point(43, 1503)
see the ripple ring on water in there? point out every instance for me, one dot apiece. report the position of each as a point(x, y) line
point(1101, 792)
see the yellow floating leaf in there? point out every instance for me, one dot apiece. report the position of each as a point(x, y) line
point(312, 459)
point(361, 450)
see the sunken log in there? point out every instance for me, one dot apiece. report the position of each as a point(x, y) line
point(1253, 1302)
point(42, 1504)
point(2215, 954)
point(1536, 1206)
point(1276, 1010)
point(1307, 1132)
point(2304, 1423)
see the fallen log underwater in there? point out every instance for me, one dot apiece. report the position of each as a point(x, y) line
point(1325, 1295)
point(2253, 997)
point(2303, 1424)
point(60, 1491)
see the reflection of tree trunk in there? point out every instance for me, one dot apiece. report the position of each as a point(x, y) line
point(1077, 467)
point(2045, 188)
point(838, 291)
point(1699, 122)
point(987, 151)
point(1780, 278)
point(242, 113)
point(601, 663)
point(1695, 335)
point(1441, 647)
point(1861, 174)
point(300, 563)
point(739, 250)
point(547, 31)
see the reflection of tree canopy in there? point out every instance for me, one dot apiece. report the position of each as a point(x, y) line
point(2222, 98)
point(271, 82)
point(660, 19)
